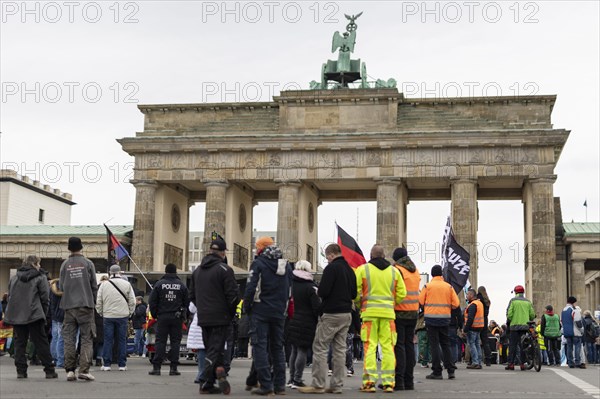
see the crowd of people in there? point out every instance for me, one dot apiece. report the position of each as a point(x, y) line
point(289, 319)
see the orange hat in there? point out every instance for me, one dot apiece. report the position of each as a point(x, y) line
point(263, 242)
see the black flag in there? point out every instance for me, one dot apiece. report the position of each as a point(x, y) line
point(455, 260)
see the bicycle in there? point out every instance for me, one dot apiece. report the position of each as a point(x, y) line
point(531, 348)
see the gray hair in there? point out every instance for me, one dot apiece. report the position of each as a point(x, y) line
point(31, 260)
point(303, 265)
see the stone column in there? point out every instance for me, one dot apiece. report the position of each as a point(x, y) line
point(588, 297)
point(543, 250)
point(578, 288)
point(465, 216)
point(143, 224)
point(594, 295)
point(215, 213)
point(186, 256)
point(287, 218)
point(388, 226)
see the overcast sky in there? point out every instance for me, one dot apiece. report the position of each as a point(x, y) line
point(72, 75)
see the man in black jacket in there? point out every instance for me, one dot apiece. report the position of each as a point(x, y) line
point(337, 291)
point(138, 319)
point(215, 294)
point(168, 302)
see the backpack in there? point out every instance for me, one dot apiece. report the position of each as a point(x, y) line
point(593, 330)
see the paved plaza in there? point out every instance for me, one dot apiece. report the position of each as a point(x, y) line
point(491, 382)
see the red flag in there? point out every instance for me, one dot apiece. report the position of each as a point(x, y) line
point(350, 249)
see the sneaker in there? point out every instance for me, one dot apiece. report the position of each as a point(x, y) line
point(123, 368)
point(280, 391)
point(349, 373)
point(86, 377)
point(582, 366)
point(451, 374)
point(105, 368)
point(311, 389)
point(144, 355)
point(71, 376)
point(509, 367)
point(434, 376)
point(21, 375)
point(333, 390)
point(522, 366)
point(222, 378)
point(388, 389)
point(330, 372)
point(297, 384)
point(424, 365)
point(368, 387)
point(288, 384)
point(209, 390)
point(251, 387)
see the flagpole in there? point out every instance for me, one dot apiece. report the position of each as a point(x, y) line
point(140, 270)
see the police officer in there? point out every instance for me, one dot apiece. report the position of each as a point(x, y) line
point(168, 302)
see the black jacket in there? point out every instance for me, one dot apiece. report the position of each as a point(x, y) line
point(168, 296)
point(338, 287)
point(456, 318)
point(138, 318)
point(302, 327)
point(214, 292)
point(486, 310)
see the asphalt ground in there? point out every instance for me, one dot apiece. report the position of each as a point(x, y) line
point(490, 382)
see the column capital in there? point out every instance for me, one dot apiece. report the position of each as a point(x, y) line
point(144, 183)
point(287, 182)
point(542, 179)
point(462, 179)
point(215, 183)
point(396, 181)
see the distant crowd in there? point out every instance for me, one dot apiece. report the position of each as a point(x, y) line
point(377, 313)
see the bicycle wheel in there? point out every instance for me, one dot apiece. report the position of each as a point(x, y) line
point(537, 358)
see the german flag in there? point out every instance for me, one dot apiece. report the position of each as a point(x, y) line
point(350, 249)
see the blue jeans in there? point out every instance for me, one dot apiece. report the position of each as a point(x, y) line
point(201, 357)
point(591, 352)
point(269, 335)
point(455, 344)
point(139, 341)
point(115, 327)
point(573, 351)
point(474, 341)
point(57, 346)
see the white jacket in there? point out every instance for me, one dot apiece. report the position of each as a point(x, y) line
point(110, 303)
point(194, 338)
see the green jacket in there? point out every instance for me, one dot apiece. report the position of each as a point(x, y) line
point(519, 312)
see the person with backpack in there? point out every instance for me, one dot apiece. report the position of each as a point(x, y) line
point(591, 332)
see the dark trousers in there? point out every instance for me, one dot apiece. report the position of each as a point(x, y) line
point(553, 348)
point(515, 341)
point(229, 351)
point(269, 336)
point(485, 344)
point(405, 352)
point(214, 341)
point(439, 342)
point(37, 332)
point(167, 326)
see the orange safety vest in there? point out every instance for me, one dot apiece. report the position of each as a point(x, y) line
point(438, 298)
point(478, 321)
point(412, 281)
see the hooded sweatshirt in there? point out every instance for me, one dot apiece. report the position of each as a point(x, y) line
point(268, 288)
point(27, 297)
point(214, 292)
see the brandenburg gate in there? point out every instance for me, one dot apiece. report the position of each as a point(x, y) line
point(344, 144)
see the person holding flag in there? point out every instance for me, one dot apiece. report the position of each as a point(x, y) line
point(438, 298)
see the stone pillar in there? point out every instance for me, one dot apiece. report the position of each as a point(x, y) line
point(143, 224)
point(542, 247)
point(594, 295)
point(287, 218)
point(578, 289)
point(388, 226)
point(465, 216)
point(215, 213)
point(588, 297)
point(186, 256)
